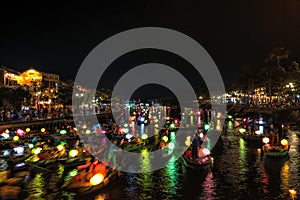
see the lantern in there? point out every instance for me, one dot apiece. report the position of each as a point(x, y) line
point(43, 130)
point(16, 138)
point(242, 130)
point(20, 132)
point(63, 132)
point(30, 146)
point(36, 151)
point(97, 179)
point(284, 142)
point(7, 131)
point(27, 130)
point(206, 151)
point(60, 147)
point(73, 153)
point(165, 138)
point(266, 140)
point(188, 143)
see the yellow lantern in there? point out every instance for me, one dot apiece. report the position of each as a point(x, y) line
point(242, 130)
point(97, 179)
point(36, 151)
point(16, 138)
point(43, 130)
point(284, 142)
point(60, 147)
point(73, 153)
point(293, 193)
point(7, 131)
point(27, 130)
point(165, 138)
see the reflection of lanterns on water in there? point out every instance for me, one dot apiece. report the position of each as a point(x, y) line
point(144, 136)
point(16, 138)
point(201, 135)
point(206, 126)
point(165, 139)
point(266, 140)
point(284, 142)
point(171, 145)
point(96, 179)
point(73, 153)
point(88, 131)
point(206, 151)
point(128, 136)
point(172, 125)
point(84, 126)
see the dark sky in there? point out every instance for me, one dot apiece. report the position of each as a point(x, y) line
point(57, 37)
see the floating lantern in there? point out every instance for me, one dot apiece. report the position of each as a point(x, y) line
point(125, 125)
point(60, 147)
point(172, 125)
point(43, 130)
point(27, 130)
point(242, 130)
point(144, 136)
point(30, 146)
point(165, 139)
point(7, 131)
point(75, 129)
point(206, 151)
point(257, 132)
point(97, 179)
point(171, 145)
point(16, 138)
point(73, 153)
point(88, 131)
point(63, 132)
point(201, 135)
point(266, 140)
point(284, 142)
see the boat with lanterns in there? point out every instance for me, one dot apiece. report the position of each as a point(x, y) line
point(90, 177)
point(275, 150)
point(203, 160)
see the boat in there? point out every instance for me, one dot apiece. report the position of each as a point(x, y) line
point(202, 161)
point(87, 187)
point(276, 150)
point(72, 162)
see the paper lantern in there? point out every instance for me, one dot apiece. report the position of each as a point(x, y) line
point(16, 138)
point(165, 138)
point(205, 151)
point(284, 142)
point(171, 145)
point(266, 140)
point(97, 179)
point(73, 153)
point(43, 130)
point(60, 147)
point(144, 136)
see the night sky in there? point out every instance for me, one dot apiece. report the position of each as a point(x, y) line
point(57, 37)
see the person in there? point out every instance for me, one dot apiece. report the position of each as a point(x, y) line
point(195, 145)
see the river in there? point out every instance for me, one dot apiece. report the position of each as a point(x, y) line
point(238, 172)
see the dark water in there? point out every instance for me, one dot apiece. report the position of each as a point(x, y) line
point(239, 172)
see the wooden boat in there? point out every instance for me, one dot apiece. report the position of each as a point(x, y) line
point(83, 188)
point(196, 163)
point(275, 151)
point(72, 162)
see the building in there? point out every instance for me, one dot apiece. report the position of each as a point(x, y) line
point(42, 85)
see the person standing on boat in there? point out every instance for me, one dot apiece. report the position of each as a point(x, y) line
point(195, 145)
